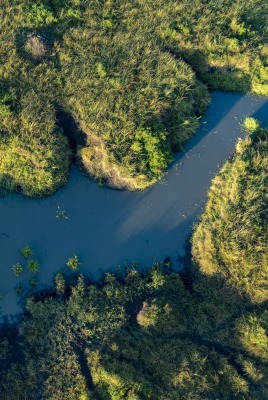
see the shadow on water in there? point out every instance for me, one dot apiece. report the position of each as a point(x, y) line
point(261, 115)
point(106, 228)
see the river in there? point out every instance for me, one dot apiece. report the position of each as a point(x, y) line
point(106, 228)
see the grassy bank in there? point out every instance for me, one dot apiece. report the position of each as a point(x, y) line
point(202, 335)
point(134, 77)
point(231, 239)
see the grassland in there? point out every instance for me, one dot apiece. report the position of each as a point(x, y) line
point(201, 336)
point(133, 75)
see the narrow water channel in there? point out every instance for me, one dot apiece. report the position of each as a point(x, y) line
point(106, 228)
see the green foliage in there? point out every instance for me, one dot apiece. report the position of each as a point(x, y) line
point(34, 156)
point(40, 15)
point(153, 147)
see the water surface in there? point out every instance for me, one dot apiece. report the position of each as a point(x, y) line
point(106, 227)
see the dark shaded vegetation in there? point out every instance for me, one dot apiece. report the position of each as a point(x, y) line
point(158, 336)
point(128, 73)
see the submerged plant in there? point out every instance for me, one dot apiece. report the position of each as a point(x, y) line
point(19, 289)
point(33, 281)
point(26, 251)
point(101, 182)
point(17, 269)
point(73, 263)
point(61, 213)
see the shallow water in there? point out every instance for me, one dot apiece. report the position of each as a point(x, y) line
point(106, 227)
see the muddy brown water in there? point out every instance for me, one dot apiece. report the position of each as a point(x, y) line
point(106, 228)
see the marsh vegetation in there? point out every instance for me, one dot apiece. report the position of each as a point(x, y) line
point(133, 76)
